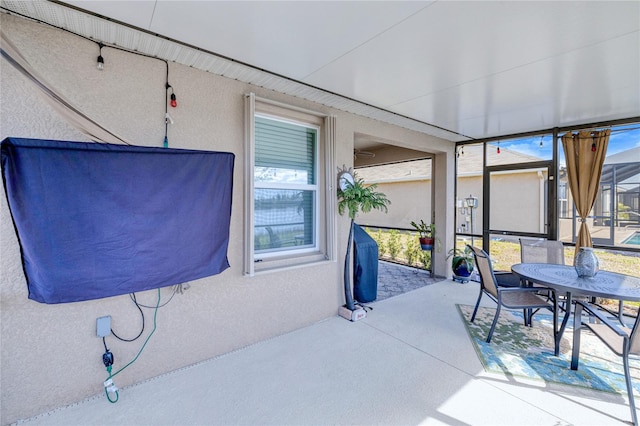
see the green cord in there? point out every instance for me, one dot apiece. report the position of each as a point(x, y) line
point(106, 391)
point(155, 316)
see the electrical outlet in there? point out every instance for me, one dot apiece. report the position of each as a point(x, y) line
point(103, 326)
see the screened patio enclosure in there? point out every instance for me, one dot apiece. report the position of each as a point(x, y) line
point(616, 214)
point(514, 187)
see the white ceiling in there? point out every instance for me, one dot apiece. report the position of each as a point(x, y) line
point(476, 69)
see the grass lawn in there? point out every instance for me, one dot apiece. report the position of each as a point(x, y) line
point(403, 247)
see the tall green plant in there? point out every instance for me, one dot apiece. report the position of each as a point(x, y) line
point(355, 197)
point(425, 258)
point(394, 244)
point(412, 251)
point(378, 237)
point(358, 197)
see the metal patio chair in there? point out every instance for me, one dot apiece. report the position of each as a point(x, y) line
point(623, 341)
point(541, 251)
point(551, 251)
point(510, 297)
point(533, 251)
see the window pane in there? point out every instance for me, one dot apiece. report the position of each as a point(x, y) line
point(518, 200)
point(284, 152)
point(523, 150)
point(615, 217)
point(284, 219)
point(469, 189)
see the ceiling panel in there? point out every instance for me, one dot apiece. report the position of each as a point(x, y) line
point(290, 38)
point(494, 57)
point(137, 13)
point(477, 68)
point(552, 92)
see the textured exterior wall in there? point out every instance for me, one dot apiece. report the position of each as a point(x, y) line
point(50, 355)
point(410, 200)
point(522, 215)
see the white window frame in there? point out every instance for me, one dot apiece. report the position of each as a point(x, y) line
point(325, 201)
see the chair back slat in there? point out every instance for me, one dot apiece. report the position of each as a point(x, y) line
point(541, 251)
point(483, 263)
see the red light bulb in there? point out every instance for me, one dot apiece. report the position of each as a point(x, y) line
point(174, 103)
point(593, 147)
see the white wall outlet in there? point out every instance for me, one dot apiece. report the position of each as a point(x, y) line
point(103, 326)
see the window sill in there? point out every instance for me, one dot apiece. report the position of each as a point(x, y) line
point(289, 264)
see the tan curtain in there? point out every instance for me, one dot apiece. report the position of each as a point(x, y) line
point(585, 153)
point(92, 129)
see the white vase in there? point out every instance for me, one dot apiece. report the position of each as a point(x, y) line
point(586, 264)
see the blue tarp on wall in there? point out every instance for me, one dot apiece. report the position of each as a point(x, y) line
point(99, 220)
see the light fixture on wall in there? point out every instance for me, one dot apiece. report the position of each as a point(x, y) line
point(357, 153)
point(471, 203)
point(100, 58)
point(460, 152)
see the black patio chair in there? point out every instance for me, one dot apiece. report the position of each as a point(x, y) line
point(525, 298)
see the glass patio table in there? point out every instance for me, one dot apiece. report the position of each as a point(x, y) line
point(564, 279)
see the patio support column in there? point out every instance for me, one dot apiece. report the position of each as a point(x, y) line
point(444, 215)
point(585, 153)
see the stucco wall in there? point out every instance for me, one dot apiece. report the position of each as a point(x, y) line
point(50, 355)
point(517, 201)
point(469, 185)
point(409, 201)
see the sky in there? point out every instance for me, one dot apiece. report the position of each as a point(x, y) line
point(622, 138)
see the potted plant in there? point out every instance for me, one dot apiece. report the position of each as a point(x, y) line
point(354, 196)
point(462, 263)
point(426, 234)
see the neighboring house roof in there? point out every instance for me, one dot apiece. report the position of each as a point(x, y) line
point(396, 172)
point(628, 156)
point(469, 163)
point(627, 165)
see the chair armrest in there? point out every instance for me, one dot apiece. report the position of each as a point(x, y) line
point(529, 289)
point(598, 314)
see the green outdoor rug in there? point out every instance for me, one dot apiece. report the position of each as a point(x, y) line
point(522, 351)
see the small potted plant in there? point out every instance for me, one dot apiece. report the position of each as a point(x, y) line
point(462, 263)
point(426, 234)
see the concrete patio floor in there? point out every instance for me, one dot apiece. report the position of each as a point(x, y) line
point(409, 362)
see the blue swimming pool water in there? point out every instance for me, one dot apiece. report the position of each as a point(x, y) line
point(634, 239)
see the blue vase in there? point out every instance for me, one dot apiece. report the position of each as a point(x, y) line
point(586, 263)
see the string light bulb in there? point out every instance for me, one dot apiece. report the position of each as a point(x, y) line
point(498, 148)
point(174, 101)
point(593, 147)
point(541, 137)
point(100, 65)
